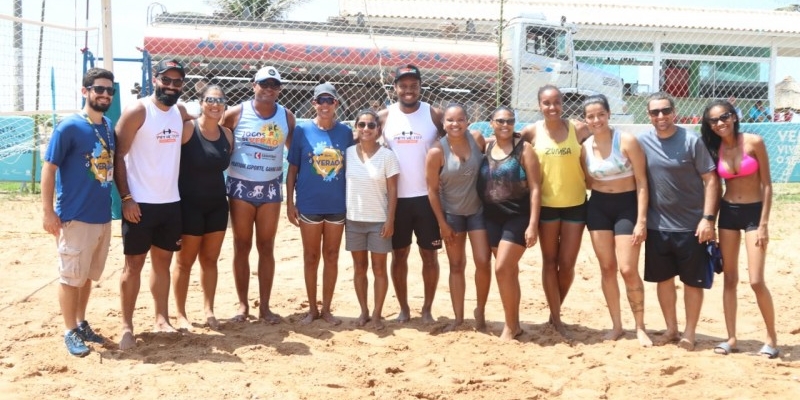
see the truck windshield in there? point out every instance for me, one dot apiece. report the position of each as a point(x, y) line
point(546, 42)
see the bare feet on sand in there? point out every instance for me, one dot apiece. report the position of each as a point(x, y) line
point(325, 315)
point(309, 318)
point(164, 327)
point(212, 322)
point(453, 326)
point(667, 338)
point(184, 324)
point(329, 318)
point(377, 323)
point(128, 341)
point(403, 317)
point(480, 320)
point(686, 343)
point(644, 338)
point(270, 318)
point(613, 334)
point(508, 335)
point(362, 319)
point(239, 318)
point(427, 317)
point(561, 329)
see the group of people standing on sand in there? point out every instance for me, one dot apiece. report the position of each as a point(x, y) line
point(410, 170)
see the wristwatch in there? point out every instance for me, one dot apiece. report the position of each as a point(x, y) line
point(710, 217)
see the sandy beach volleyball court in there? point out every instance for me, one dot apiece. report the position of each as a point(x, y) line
point(290, 361)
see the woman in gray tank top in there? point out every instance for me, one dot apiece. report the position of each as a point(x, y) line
point(451, 172)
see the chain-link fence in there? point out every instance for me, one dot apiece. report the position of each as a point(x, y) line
point(42, 66)
point(480, 55)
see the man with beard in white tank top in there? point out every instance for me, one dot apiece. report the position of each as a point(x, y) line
point(410, 129)
point(146, 166)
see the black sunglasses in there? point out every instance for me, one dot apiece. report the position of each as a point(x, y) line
point(502, 121)
point(370, 125)
point(214, 100)
point(665, 111)
point(724, 118)
point(325, 100)
point(267, 84)
point(102, 89)
point(174, 82)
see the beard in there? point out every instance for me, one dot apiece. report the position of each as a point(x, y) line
point(94, 105)
point(168, 100)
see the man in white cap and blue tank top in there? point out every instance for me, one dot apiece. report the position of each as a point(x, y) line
point(262, 129)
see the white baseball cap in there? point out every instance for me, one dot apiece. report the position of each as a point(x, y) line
point(267, 73)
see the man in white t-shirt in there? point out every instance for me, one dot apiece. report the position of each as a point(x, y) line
point(410, 127)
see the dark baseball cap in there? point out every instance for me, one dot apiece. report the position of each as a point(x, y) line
point(168, 64)
point(407, 70)
point(325, 88)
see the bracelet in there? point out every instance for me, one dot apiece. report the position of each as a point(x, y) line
point(127, 197)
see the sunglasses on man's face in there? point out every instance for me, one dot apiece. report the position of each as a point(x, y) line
point(325, 100)
point(102, 89)
point(214, 100)
point(666, 111)
point(167, 81)
point(724, 118)
point(369, 125)
point(267, 84)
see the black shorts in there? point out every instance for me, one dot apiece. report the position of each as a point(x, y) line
point(670, 254)
point(510, 228)
point(203, 216)
point(316, 219)
point(612, 212)
point(160, 226)
point(574, 214)
point(415, 215)
point(736, 217)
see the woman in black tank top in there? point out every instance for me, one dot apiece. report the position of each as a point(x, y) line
point(205, 155)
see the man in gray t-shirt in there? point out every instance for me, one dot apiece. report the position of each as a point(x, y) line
point(682, 208)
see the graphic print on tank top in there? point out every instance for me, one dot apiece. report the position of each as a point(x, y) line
point(269, 136)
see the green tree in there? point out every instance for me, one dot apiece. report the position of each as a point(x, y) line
point(261, 10)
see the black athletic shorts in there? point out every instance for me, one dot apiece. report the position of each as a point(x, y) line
point(670, 254)
point(612, 212)
point(204, 216)
point(736, 217)
point(160, 226)
point(415, 215)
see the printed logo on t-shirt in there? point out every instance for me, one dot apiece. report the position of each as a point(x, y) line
point(407, 137)
point(269, 137)
point(558, 151)
point(168, 136)
point(100, 164)
point(327, 161)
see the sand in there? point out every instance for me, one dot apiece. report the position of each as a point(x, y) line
point(404, 361)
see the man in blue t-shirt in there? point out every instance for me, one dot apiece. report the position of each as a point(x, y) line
point(78, 168)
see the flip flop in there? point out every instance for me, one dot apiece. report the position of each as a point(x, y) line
point(724, 349)
point(769, 351)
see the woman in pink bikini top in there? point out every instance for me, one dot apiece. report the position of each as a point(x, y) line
point(742, 161)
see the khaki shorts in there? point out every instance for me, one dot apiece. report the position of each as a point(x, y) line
point(83, 249)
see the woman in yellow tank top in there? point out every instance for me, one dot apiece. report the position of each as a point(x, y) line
point(557, 142)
